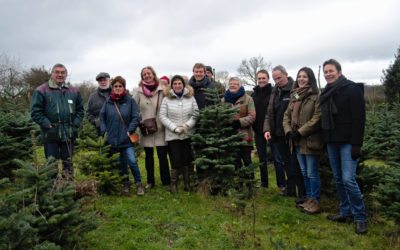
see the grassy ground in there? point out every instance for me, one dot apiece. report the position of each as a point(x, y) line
point(160, 220)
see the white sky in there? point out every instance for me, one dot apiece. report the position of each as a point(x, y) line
point(121, 37)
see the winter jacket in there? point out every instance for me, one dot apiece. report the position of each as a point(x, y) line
point(95, 103)
point(246, 116)
point(199, 94)
point(261, 98)
point(277, 106)
point(110, 121)
point(349, 118)
point(177, 111)
point(147, 109)
point(58, 110)
point(309, 125)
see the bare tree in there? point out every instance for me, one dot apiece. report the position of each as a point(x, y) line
point(222, 77)
point(11, 81)
point(249, 68)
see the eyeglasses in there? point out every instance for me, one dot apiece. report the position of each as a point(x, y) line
point(56, 72)
point(118, 86)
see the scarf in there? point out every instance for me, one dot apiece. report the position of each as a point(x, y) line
point(297, 96)
point(328, 107)
point(199, 84)
point(148, 90)
point(233, 97)
point(117, 97)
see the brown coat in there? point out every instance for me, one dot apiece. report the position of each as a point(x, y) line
point(147, 109)
point(246, 115)
point(309, 125)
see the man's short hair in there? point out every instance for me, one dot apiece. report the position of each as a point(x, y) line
point(199, 65)
point(334, 63)
point(280, 68)
point(235, 78)
point(58, 65)
point(263, 71)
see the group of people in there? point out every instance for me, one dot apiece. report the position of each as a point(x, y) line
point(293, 118)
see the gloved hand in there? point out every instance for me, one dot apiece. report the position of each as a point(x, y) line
point(295, 135)
point(236, 125)
point(179, 130)
point(355, 152)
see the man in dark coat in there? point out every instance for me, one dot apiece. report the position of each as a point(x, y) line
point(97, 99)
point(58, 109)
point(273, 130)
point(343, 121)
point(199, 81)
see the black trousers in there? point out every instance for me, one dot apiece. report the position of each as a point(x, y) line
point(243, 159)
point(163, 163)
point(61, 150)
point(180, 154)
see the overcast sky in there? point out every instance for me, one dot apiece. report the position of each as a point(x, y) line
point(121, 37)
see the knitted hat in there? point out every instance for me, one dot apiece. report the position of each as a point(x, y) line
point(209, 68)
point(165, 78)
point(178, 77)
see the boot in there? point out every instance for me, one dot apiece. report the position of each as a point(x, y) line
point(312, 207)
point(186, 179)
point(126, 189)
point(139, 189)
point(174, 180)
point(304, 204)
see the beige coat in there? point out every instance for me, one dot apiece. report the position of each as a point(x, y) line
point(310, 125)
point(147, 109)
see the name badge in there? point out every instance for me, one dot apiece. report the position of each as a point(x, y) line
point(70, 101)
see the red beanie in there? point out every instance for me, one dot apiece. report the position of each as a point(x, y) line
point(165, 78)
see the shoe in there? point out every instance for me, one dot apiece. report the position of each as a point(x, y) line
point(304, 204)
point(301, 200)
point(126, 189)
point(149, 186)
point(340, 218)
point(139, 189)
point(174, 181)
point(312, 207)
point(361, 228)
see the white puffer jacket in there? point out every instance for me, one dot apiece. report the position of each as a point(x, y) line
point(176, 111)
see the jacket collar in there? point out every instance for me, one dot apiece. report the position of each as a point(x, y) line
point(53, 85)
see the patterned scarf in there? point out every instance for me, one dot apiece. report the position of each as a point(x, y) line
point(297, 96)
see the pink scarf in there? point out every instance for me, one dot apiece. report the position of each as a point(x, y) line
point(148, 90)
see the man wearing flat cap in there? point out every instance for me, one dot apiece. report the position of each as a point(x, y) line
point(97, 99)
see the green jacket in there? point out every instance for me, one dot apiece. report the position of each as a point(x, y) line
point(58, 111)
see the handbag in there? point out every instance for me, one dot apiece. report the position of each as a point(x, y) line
point(134, 138)
point(149, 126)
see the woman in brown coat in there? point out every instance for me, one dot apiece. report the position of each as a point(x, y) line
point(302, 125)
point(149, 96)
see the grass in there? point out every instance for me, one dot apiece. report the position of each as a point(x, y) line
point(160, 220)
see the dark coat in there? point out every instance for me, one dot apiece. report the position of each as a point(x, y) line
point(199, 94)
point(110, 121)
point(261, 98)
point(349, 121)
point(95, 103)
point(277, 106)
point(58, 111)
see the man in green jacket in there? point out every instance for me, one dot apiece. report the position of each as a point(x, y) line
point(58, 109)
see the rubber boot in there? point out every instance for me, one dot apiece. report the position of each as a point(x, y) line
point(174, 180)
point(186, 179)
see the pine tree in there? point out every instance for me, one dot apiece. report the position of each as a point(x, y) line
point(391, 80)
point(216, 144)
point(37, 212)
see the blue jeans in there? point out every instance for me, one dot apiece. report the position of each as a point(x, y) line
point(309, 169)
point(127, 157)
point(344, 171)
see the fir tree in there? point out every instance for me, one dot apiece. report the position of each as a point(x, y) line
point(391, 80)
point(216, 144)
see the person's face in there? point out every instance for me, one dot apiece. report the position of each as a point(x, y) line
point(262, 79)
point(234, 86)
point(209, 74)
point(164, 82)
point(104, 83)
point(199, 73)
point(280, 78)
point(59, 75)
point(148, 76)
point(118, 88)
point(331, 74)
point(177, 86)
point(302, 79)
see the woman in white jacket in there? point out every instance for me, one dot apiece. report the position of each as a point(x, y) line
point(178, 114)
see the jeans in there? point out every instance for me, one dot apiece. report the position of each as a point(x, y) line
point(344, 171)
point(163, 164)
point(309, 169)
point(261, 145)
point(127, 158)
point(61, 150)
